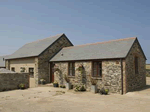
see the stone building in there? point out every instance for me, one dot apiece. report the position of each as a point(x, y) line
point(118, 64)
point(33, 58)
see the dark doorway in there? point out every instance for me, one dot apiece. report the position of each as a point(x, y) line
point(52, 72)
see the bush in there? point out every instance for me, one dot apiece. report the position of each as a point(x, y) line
point(93, 81)
point(62, 86)
point(55, 84)
point(79, 88)
point(67, 79)
point(80, 69)
point(104, 91)
point(42, 81)
point(22, 86)
point(82, 88)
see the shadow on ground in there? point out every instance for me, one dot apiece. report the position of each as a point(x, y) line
point(143, 88)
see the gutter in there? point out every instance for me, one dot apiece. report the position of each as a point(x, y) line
point(121, 76)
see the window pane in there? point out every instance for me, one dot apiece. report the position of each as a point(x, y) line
point(31, 72)
point(71, 68)
point(99, 69)
point(95, 69)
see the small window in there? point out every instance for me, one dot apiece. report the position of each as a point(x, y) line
point(22, 69)
point(71, 69)
point(136, 65)
point(97, 69)
point(13, 69)
point(31, 72)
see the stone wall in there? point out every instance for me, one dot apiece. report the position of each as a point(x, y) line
point(36, 76)
point(10, 81)
point(43, 60)
point(135, 81)
point(111, 75)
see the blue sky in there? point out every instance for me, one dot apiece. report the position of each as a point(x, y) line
point(85, 21)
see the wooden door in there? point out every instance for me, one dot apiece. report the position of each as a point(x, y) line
point(52, 72)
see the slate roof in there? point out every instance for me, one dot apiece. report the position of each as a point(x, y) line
point(101, 50)
point(3, 70)
point(2, 62)
point(34, 48)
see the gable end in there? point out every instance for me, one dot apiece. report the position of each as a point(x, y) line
point(136, 40)
point(55, 42)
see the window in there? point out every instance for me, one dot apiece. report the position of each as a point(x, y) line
point(136, 65)
point(97, 69)
point(22, 69)
point(13, 69)
point(71, 69)
point(31, 72)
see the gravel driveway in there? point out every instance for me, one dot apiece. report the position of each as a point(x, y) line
point(49, 99)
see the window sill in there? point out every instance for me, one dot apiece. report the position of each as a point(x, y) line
point(99, 78)
point(71, 76)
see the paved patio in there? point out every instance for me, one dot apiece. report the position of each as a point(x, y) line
point(49, 99)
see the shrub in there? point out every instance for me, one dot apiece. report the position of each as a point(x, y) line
point(104, 91)
point(79, 88)
point(42, 81)
point(22, 86)
point(82, 88)
point(93, 81)
point(55, 82)
point(62, 86)
point(80, 69)
point(67, 79)
point(56, 69)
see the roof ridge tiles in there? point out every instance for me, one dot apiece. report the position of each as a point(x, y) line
point(101, 42)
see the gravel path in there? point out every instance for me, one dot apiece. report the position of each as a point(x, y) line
point(49, 99)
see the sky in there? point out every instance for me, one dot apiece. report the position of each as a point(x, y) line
point(83, 21)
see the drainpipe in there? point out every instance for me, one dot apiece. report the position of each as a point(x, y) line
point(121, 76)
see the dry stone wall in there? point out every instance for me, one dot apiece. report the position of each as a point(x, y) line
point(10, 81)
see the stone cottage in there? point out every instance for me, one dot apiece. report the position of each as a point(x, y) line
point(33, 58)
point(118, 64)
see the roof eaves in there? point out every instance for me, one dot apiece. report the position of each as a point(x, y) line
point(87, 59)
point(21, 57)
